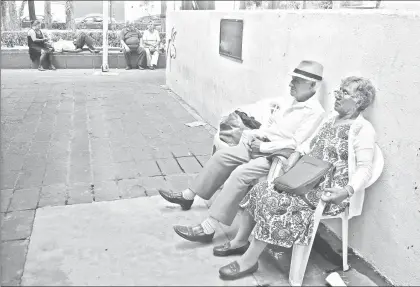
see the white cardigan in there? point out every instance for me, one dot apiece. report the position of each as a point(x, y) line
point(361, 151)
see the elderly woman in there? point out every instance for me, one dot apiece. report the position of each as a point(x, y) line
point(39, 47)
point(150, 42)
point(347, 141)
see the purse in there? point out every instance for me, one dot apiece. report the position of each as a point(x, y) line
point(308, 171)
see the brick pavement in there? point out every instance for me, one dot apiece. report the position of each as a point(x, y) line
point(70, 137)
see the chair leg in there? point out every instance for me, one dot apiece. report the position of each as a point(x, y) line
point(300, 253)
point(345, 238)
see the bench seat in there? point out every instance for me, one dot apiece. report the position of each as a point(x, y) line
point(12, 58)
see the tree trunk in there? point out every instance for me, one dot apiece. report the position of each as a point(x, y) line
point(31, 8)
point(378, 3)
point(242, 5)
point(163, 8)
point(70, 25)
point(304, 4)
point(14, 21)
point(206, 5)
point(22, 8)
point(47, 14)
point(186, 5)
point(4, 16)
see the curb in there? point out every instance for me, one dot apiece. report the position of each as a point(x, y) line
point(329, 246)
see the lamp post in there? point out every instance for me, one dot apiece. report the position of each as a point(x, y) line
point(105, 17)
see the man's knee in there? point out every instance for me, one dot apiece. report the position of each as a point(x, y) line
point(141, 51)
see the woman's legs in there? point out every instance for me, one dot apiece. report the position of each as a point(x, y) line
point(50, 58)
point(42, 59)
point(246, 224)
point(250, 257)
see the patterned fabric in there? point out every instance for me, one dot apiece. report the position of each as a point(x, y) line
point(283, 219)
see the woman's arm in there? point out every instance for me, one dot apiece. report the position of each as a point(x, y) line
point(32, 34)
point(364, 149)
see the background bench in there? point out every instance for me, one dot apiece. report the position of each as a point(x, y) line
point(12, 58)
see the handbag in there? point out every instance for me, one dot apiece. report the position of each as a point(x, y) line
point(308, 171)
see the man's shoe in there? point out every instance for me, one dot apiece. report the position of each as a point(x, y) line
point(176, 197)
point(233, 271)
point(194, 234)
point(41, 69)
point(141, 68)
point(128, 68)
point(52, 68)
point(152, 67)
point(226, 250)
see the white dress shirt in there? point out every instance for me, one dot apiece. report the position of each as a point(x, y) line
point(291, 125)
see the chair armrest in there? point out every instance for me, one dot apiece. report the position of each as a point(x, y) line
point(275, 169)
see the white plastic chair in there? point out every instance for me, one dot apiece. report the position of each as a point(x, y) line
point(300, 253)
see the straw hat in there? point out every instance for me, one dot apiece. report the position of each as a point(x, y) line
point(308, 70)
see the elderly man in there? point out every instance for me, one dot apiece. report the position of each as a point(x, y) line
point(238, 166)
point(150, 42)
point(130, 42)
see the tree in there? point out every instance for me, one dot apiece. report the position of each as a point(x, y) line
point(22, 8)
point(242, 5)
point(70, 25)
point(14, 21)
point(47, 14)
point(31, 8)
point(4, 15)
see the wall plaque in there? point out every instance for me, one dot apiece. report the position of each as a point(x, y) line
point(231, 33)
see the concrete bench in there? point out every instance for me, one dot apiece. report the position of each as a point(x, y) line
point(12, 58)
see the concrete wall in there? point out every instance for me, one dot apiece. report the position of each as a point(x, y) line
point(382, 46)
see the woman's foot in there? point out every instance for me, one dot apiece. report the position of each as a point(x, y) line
point(236, 270)
point(40, 68)
point(227, 249)
point(52, 68)
point(128, 68)
point(151, 67)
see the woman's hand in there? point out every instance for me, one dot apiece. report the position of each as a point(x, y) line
point(334, 195)
point(291, 161)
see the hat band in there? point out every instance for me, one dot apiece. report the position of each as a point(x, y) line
point(307, 74)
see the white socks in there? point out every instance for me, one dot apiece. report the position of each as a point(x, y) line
point(209, 225)
point(188, 194)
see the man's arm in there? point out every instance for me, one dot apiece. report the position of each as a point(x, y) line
point(123, 44)
point(305, 130)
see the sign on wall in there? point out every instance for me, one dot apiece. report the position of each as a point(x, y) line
point(231, 33)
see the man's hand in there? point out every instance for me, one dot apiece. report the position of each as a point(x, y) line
point(255, 145)
point(334, 195)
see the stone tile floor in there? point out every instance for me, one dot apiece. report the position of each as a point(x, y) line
point(70, 137)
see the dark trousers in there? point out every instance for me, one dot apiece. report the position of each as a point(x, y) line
point(141, 59)
point(84, 39)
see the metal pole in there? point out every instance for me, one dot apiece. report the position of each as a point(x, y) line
point(105, 17)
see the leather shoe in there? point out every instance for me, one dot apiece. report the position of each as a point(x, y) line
point(194, 234)
point(176, 197)
point(232, 271)
point(225, 250)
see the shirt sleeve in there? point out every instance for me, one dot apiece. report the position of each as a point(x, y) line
point(303, 132)
point(364, 149)
point(32, 34)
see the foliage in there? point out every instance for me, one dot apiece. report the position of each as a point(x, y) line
point(19, 38)
point(22, 8)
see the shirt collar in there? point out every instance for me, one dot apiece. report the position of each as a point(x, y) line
point(310, 103)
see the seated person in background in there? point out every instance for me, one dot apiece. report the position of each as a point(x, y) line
point(76, 45)
point(130, 41)
point(150, 42)
point(39, 48)
point(347, 141)
point(237, 167)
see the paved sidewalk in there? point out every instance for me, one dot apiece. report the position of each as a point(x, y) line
point(82, 156)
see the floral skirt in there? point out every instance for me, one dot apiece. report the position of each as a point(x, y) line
point(284, 219)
